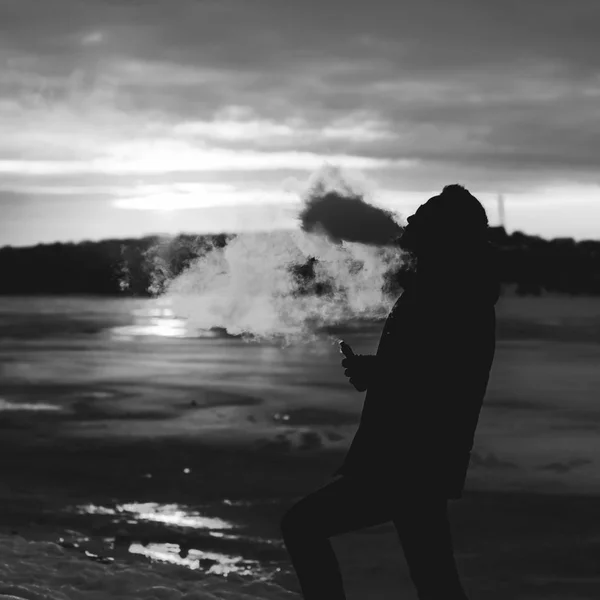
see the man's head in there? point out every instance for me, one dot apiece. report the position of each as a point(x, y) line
point(454, 218)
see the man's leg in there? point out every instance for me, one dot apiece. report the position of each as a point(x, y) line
point(341, 506)
point(424, 531)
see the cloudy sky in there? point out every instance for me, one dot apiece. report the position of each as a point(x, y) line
point(126, 117)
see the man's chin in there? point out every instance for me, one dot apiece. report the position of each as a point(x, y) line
point(407, 243)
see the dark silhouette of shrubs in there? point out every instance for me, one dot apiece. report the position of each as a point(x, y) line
point(134, 267)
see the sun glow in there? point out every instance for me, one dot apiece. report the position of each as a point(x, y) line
point(181, 196)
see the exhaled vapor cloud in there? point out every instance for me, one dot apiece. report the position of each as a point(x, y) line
point(343, 215)
point(288, 285)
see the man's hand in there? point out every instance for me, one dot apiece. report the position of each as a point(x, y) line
point(358, 367)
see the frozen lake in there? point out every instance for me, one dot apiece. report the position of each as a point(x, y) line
point(117, 416)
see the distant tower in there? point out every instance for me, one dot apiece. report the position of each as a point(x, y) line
point(501, 216)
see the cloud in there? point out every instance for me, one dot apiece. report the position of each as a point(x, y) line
point(197, 195)
point(522, 101)
point(499, 97)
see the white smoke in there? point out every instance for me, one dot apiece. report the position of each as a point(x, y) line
point(253, 286)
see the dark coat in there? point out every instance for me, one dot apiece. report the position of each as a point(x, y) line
point(428, 381)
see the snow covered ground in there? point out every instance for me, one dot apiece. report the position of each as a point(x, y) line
point(46, 571)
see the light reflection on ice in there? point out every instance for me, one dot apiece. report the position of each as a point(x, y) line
point(174, 514)
point(161, 327)
point(38, 406)
point(171, 514)
point(156, 326)
point(229, 502)
point(185, 554)
point(90, 509)
point(248, 538)
point(218, 564)
point(159, 320)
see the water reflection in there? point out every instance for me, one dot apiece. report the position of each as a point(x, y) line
point(247, 538)
point(155, 326)
point(159, 320)
point(234, 553)
point(170, 514)
point(214, 562)
point(38, 406)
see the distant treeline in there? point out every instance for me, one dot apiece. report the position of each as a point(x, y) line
point(536, 264)
point(141, 267)
point(134, 267)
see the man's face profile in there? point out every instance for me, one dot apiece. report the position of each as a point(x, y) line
point(413, 234)
point(427, 231)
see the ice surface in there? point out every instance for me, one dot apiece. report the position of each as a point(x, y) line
point(46, 571)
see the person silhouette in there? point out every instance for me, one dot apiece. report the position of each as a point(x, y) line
point(424, 391)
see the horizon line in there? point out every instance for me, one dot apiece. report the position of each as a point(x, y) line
point(258, 231)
